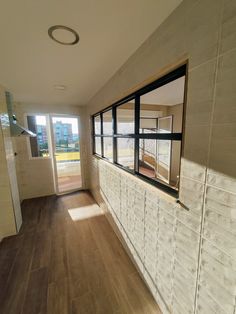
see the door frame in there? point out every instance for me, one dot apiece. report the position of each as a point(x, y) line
point(53, 156)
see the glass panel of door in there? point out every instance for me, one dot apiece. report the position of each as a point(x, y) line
point(66, 151)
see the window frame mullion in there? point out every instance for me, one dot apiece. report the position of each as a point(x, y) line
point(102, 142)
point(114, 126)
point(136, 131)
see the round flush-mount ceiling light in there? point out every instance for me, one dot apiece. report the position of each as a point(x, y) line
point(63, 35)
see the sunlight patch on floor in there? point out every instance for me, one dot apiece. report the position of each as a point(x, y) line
point(85, 212)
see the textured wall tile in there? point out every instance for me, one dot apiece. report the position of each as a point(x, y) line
point(180, 295)
point(228, 37)
point(166, 237)
point(186, 258)
point(218, 277)
point(224, 111)
point(204, 30)
point(150, 264)
point(219, 180)
point(206, 304)
point(221, 196)
point(164, 286)
point(219, 255)
point(224, 275)
point(181, 274)
point(223, 239)
point(224, 222)
point(190, 220)
point(165, 261)
point(217, 292)
point(196, 142)
point(223, 149)
point(200, 93)
point(178, 308)
point(185, 284)
point(192, 170)
point(217, 212)
point(191, 195)
point(186, 240)
point(150, 282)
point(152, 196)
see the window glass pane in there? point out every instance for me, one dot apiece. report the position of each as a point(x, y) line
point(107, 122)
point(160, 159)
point(125, 118)
point(161, 110)
point(108, 147)
point(97, 125)
point(38, 144)
point(98, 145)
point(125, 152)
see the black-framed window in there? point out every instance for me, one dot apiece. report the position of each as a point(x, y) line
point(38, 145)
point(142, 133)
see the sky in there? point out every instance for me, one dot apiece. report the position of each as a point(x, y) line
point(41, 120)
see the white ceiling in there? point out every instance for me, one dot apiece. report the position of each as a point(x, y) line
point(31, 64)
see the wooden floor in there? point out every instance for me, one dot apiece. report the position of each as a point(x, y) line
point(59, 265)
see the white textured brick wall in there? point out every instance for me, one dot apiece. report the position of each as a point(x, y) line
point(166, 240)
point(161, 236)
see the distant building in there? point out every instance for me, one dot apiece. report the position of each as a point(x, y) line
point(63, 132)
point(75, 137)
point(41, 134)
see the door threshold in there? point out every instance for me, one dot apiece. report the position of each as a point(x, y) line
point(70, 192)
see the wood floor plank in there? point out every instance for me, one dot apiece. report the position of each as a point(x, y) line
point(7, 258)
point(18, 277)
point(13, 242)
point(31, 214)
point(42, 250)
point(36, 294)
point(76, 269)
point(60, 265)
point(58, 301)
point(84, 304)
point(58, 268)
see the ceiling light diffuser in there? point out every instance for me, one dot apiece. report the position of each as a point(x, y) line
point(63, 35)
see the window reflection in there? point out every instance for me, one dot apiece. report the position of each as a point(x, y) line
point(108, 147)
point(160, 159)
point(125, 152)
point(98, 145)
point(107, 122)
point(97, 125)
point(125, 118)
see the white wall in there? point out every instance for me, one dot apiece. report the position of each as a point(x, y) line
point(187, 257)
point(35, 176)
